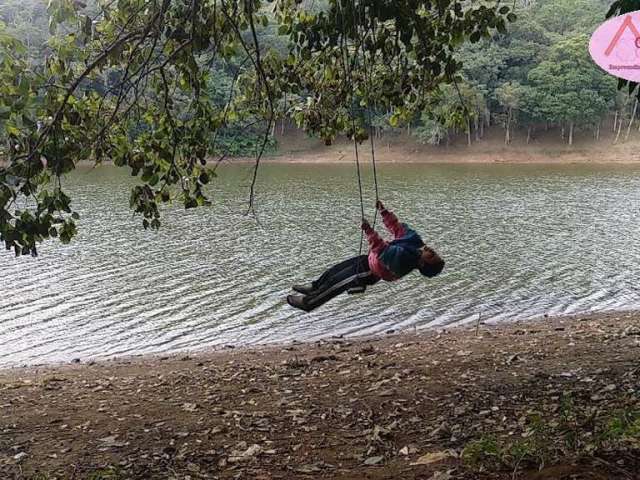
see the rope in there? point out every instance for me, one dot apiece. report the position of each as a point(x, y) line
point(362, 217)
point(375, 172)
point(355, 146)
point(348, 74)
point(368, 72)
point(348, 65)
point(368, 69)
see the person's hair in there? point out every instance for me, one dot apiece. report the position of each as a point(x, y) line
point(432, 267)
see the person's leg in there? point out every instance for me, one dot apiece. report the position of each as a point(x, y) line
point(353, 272)
point(330, 273)
point(324, 278)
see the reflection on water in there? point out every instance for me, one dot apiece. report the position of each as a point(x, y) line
point(519, 241)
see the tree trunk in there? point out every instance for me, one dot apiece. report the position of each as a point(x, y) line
point(528, 134)
point(570, 133)
point(482, 129)
point(615, 121)
point(408, 129)
point(475, 128)
point(507, 136)
point(562, 132)
point(619, 130)
point(598, 131)
point(633, 116)
point(284, 116)
point(468, 132)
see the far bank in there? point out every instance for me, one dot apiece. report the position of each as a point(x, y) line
point(546, 147)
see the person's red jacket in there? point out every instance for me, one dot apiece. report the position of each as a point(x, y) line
point(377, 244)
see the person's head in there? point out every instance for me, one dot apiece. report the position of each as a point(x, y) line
point(429, 262)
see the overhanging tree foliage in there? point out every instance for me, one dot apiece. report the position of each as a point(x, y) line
point(129, 81)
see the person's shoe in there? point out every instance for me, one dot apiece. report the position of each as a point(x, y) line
point(298, 301)
point(303, 289)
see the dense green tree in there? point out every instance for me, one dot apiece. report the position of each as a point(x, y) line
point(452, 107)
point(509, 96)
point(539, 72)
point(572, 90)
point(568, 17)
point(430, 131)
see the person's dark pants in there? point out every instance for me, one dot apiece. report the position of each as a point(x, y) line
point(352, 273)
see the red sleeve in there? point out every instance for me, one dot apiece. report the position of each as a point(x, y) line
point(391, 222)
point(376, 243)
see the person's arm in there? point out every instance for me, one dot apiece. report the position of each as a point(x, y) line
point(391, 221)
point(376, 242)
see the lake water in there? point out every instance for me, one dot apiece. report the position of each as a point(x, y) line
point(520, 241)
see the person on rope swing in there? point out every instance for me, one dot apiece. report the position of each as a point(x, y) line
point(387, 261)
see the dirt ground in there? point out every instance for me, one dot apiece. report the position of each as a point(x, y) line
point(528, 400)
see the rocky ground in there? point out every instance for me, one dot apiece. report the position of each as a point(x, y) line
point(552, 399)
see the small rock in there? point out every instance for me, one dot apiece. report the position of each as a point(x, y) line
point(512, 358)
point(252, 450)
point(324, 358)
point(307, 469)
point(442, 475)
point(373, 460)
point(20, 456)
point(433, 457)
point(189, 407)
point(110, 441)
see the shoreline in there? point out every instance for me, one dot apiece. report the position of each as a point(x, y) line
point(333, 156)
point(405, 405)
point(251, 349)
point(343, 154)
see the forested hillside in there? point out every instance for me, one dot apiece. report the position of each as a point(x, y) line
point(536, 75)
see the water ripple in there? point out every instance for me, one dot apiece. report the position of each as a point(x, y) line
point(519, 242)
